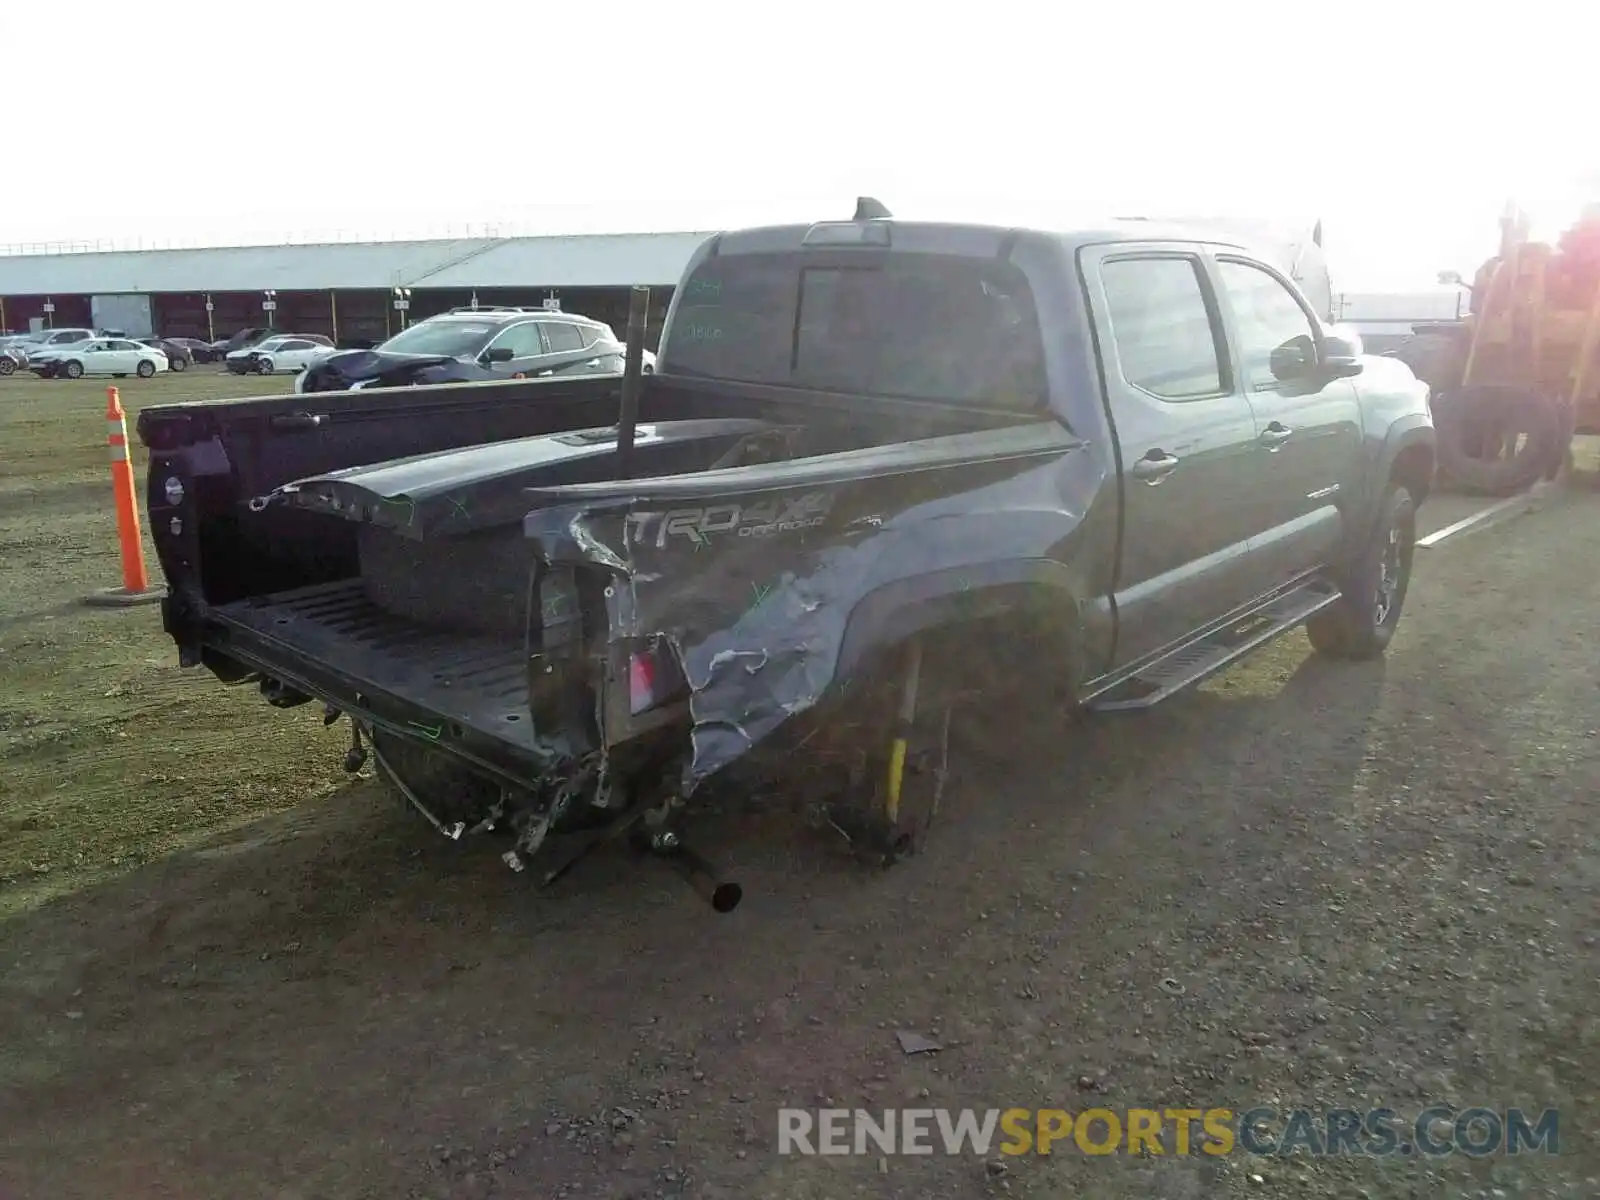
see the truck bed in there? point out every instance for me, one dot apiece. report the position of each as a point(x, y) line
point(411, 612)
point(332, 639)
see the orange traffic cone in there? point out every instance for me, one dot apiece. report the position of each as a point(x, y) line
point(135, 587)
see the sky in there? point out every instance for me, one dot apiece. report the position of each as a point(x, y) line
point(198, 123)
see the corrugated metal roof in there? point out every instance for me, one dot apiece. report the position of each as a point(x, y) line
point(592, 260)
point(615, 260)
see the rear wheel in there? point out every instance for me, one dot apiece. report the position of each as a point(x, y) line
point(145, 369)
point(178, 364)
point(1362, 622)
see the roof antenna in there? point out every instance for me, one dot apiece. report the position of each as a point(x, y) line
point(868, 209)
point(1316, 233)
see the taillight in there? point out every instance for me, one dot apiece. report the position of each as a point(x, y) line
point(653, 679)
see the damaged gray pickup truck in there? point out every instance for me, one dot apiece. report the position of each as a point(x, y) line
point(873, 450)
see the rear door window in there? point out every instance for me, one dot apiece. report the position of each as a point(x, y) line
point(562, 336)
point(905, 325)
point(1163, 327)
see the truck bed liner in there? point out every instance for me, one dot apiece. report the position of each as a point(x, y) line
point(390, 668)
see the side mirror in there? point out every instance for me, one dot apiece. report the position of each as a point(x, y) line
point(1339, 355)
point(499, 354)
point(1294, 360)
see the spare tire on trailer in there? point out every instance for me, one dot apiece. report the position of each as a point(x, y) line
point(1438, 359)
point(1476, 424)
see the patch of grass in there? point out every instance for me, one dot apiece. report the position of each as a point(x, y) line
point(110, 755)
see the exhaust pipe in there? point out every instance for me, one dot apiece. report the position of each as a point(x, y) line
point(722, 895)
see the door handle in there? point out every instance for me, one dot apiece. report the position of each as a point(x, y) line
point(1154, 467)
point(1275, 435)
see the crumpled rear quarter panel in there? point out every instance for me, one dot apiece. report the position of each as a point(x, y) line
point(756, 590)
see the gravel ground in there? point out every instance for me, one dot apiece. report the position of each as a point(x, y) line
point(1305, 885)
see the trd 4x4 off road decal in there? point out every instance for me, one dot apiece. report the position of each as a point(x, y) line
point(760, 519)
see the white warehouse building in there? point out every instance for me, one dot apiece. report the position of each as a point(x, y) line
point(346, 290)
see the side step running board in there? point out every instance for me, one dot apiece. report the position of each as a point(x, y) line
point(1198, 660)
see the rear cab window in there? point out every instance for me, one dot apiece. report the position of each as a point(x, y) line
point(894, 324)
point(1167, 338)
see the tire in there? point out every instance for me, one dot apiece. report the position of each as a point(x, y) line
point(473, 582)
point(1360, 625)
point(263, 366)
point(177, 364)
point(7, 366)
point(1473, 425)
point(145, 369)
point(73, 369)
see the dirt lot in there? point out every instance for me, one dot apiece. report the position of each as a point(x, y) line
point(227, 971)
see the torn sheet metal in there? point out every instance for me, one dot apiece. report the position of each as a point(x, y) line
point(756, 589)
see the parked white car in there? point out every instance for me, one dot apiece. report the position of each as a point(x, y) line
point(97, 356)
point(285, 353)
